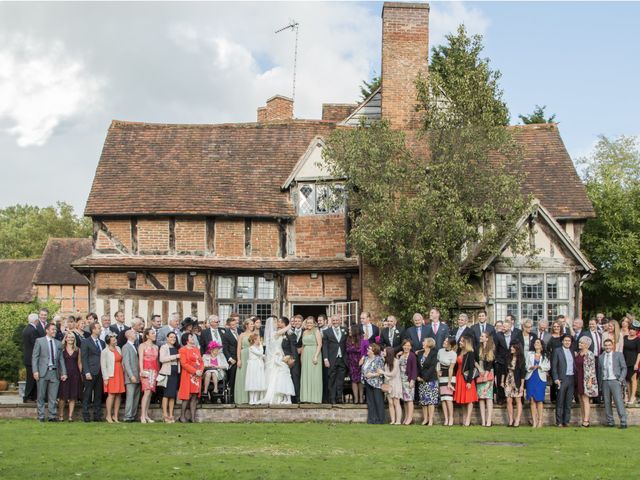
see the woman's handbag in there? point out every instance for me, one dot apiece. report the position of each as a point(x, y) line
point(161, 380)
point(386, 387)
point(485, 377)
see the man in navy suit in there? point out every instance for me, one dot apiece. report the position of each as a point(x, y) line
point(481, 327)
point(90, 351)
point(367, 329)
point(437, 330)
point(416, 333)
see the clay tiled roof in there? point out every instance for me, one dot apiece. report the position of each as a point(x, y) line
point(196, 263)
point(55, 264)
point(16, 280)
point(550, 174)
point(228, 169)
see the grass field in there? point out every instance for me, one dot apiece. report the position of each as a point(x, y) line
point(32, 450)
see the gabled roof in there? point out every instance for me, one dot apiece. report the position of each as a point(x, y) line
point(55, 265)
point(16, 280)
point(228, 169)
point(539, 210)
point(316, 143)
point(370, 109)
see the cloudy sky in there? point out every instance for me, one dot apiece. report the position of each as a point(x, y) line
point(68, 69)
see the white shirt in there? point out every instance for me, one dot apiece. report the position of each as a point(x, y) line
point(568, 355)
point(338, 334)
point(608, 367)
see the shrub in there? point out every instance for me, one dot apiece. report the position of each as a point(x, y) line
point(10, 360)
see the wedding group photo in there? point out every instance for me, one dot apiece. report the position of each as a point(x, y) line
point(272, 239)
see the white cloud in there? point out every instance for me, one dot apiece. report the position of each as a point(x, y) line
point(445, 17)
point(40, 87)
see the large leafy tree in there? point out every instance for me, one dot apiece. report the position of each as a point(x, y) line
point(537, 116)
point(612, 239)
point(425, 222)
point(24, 229)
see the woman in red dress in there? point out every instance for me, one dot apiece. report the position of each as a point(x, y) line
point(149, 367)
point(466, 393)
point(190, 377)
point(113, 376)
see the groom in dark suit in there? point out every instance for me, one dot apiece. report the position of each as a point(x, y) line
point(290, 349)
point(90, 351)
point(334, 350)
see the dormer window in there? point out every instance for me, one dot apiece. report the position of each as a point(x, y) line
point(320, 199)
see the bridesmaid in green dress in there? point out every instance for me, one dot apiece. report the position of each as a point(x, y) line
point(311, 375)
point(240, 395)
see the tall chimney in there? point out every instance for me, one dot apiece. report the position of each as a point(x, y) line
point(405, 49)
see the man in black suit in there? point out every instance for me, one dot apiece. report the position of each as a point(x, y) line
point(417, 333)
point(481, 327)
point(391, 336)
point(214, 332)
point(504, 341)
point(92, 387)
point(290, 349)
point(436, 329)
point(563, 367)
point(334, 351)
point(463, 328)
point(528, 337)
point(119, 327)
point(367, 329)
point(515, 331)
point(577, 332)
point(230, 348)
point(29, 336)
point(41, 324)
point(296, 328)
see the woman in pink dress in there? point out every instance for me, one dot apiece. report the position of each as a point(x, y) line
point(148, 356)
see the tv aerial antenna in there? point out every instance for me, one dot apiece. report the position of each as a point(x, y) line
point(293, 26)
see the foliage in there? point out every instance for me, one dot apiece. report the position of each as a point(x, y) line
point(24, 229)
point(367, 88)
point(612, 239)
point(13, 318)
point(286, 451)
point(426, 224)
point(537, 116)
point(10, 360)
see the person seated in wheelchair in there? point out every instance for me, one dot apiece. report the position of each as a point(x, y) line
point(215, 366)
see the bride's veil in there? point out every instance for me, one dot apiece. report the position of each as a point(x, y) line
point(270, 330)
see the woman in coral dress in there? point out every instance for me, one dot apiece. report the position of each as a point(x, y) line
point(148, 354)
point(190, 377)
point(466, 393)
point(113, 377)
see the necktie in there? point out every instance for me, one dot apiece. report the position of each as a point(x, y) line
point(482, 328)
point(597, 339)
point(435, 328)
point(391, 332)
point(98, 345)
point(53, 360)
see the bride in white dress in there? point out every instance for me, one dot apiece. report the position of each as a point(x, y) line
point(279, 384)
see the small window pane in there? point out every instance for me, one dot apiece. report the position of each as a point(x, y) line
point(504, 309)
point(307, 200)
point(246, 287)
point(329, 198)
point(555, 309)
point(225, 287)
point(245, 310)
point(266, 288)
point(507, 285)
point(532, 287)
point(224, 311)
point(263, 310)
point(534, 311)
point(558, 287)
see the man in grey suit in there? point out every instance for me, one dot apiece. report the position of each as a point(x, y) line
point(173, 325)
point(613, 372)
point(131, 367)
point(563, 367)
point(49, 369)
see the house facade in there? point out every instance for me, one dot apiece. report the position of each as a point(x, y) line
point(203, 219)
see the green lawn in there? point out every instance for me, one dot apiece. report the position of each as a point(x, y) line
point(31, 450)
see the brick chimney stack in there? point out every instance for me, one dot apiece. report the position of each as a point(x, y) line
point(405, 49)
point(278, 107)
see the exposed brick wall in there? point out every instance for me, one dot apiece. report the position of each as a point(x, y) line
point(199, 282)
point(326, 286)
point(405, 47)
point(153, 235)
point(265, 239)
point(73, 299)
point(229, 238)
point(102, 241)
point(320, 236)
point(111, 280)
point(278, 108)
point(191, 235)
point(335, 286)
point(120, 229)
point(370, 301)
point(336, 112)
point(181, 281)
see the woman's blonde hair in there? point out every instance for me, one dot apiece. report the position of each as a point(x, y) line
point(75, 347)
point(487, 350)
point(430, 342)
point(253, 337)
point(468, 345)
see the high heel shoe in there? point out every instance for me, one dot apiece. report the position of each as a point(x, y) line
point(150, 421)
point(108, 419)
point(143, 420)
